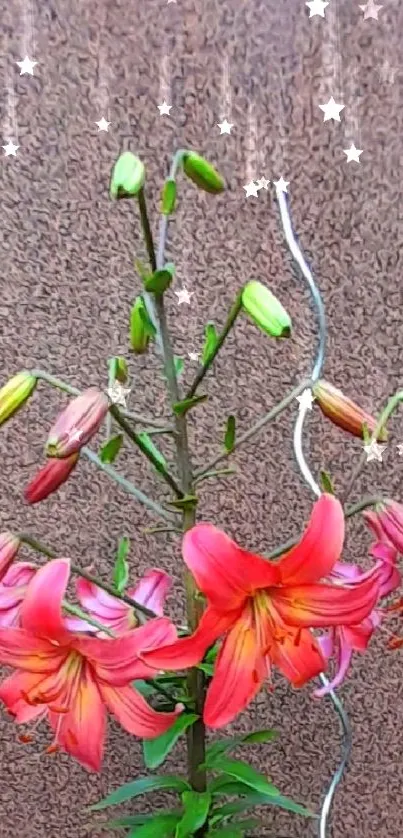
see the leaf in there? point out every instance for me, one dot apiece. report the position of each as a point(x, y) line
point(121, 569)
point(252, 799)
point(227, 832)
point(179, 365)
point(110, 449)
point(246, 823)
point(207, 668)
point(156, 750)
point(151, 448)
point(366, 433)
point(161, 279)
point(224, 745)
point(159, 826)
point(227, 786)
point(326, 482)
point(229, 438)
point(180, 408)
point(137, 820)
point(142, 786)
point(144, 688)
point(196, 805)
point(243, 772)
point(210, 342)
point(168, 197)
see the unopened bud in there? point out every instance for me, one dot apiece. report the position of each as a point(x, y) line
point(121, 370)
point(15, 393)
point(343, 412)
point(128, 176)
point(202, 173)
point(79, 422)
point(266, 310)
point(139, 335)
point(9, 546)
point(49, 478)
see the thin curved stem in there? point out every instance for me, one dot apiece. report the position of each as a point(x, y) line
point(346, 753)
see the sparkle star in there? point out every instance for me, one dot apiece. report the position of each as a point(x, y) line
point(183, 296)
point(164, 108)
point(194, 356)
point(281, 184)
point(316, 7)
point(103, 124)
point(262, 183)
point(251, 189)
point(352, 153)
point(75, 435)
point(400, 449)
point(370, 10)
point(374, 451)
point(225, 126)
point(117, 393)
point(10, 149)
point(331, 110)
point(26, 66)
point(306, 400)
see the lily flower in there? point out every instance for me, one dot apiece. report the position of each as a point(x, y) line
point(112, 612)
point(72, 679)
point(386, 521)
point(13, 587)
point(264, 610)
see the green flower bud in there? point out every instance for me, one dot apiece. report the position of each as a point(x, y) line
point(15, 393)
point(266, 310)
point(128, 176)
point(121, 370)
point(139, 336)
point(202, 173)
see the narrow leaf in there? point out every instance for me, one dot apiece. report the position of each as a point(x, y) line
point(180, 408)
point(121, 569)
point(210, 342)
point(326, 482)
point(229, 439)
point(159, 826)
point(168, 197)
point(144, 688)
point(149, 445)
point(253, 799)
point(156, 750)
point(142, 786)
point(179, 365)
point(226, 832)
point(223, 746)
point(207, 668)
point(243, 772)
point(110, 449)
point(196, 807)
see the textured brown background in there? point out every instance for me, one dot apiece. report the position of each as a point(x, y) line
point(67, 282)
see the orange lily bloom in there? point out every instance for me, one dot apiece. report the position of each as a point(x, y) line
point(71, 678)
point(265, 610)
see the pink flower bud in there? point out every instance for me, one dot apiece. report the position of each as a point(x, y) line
point(9, 546)
point(389, 515)
point(343, 412)
point(49, 478)
point(79, 422)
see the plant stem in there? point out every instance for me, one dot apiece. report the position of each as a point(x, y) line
point(272, 414)
point(136, 438)
point(391, 406)
point(148, 236)
point(233, 314)
point(221, 472)
point(352, 510)
point(111, 380)
point(78, 612)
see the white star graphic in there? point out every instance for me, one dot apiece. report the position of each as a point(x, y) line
point(331, 110)
point(225, 126)
point(183, 296)
point(26, 66)
point(353, 153)
point(170, 1)
point(103, 124)
point(10, 149)
point(251, 189)
point(316, 7)
point(75, 435)
point(194, 356)
point(262, 183)
point(306, 400)
point(370, 10)
point(374, 451)
point(281, 185)
point(117, 393)
point(400, 449)
point(164, 108)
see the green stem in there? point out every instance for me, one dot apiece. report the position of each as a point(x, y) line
point(136, 438)
point(272, 414)
point(391, 406)
point(127, 485)
point(221, 472)
point(112, 364)
point(233, 314)
point(78, 612)
point(148, 236)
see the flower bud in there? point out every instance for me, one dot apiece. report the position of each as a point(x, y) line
point(266, 310)
point(389, 522)
point(15, 393)
point(139, 336)
point(121, 370)
point(9, 546)
point(128, 176)
point(202, 173)
point(76, 425)
point(343, 412)
point(49, 478)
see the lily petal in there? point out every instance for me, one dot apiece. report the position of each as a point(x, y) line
point(152, 590)
point(188, 651)
point(41, 611)
point(321, 606)
point(18, 648)
point(134, 714)
point(12, 690)
point(320, 546)
point(223, 571)
point(298, 656)
point(345, 654)
point(81, 731)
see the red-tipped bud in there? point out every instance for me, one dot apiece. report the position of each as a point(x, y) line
point(79, 422)
point(9, 546)
point(343, 412)
point(49, 478)
point(389, 521)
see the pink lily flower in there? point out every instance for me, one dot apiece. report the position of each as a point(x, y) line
point(386, 521)
point(113, 613)
point(13, 588)
point(72, 679)
point(264, 610)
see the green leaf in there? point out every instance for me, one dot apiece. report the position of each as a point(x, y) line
point(229, 439)
point(151, 448)
point(366, 435)
point(207, 668)
point(121, 569)
point(252, 799)
point(227, 786)
point(179, 365)
point(187, 502)
point(243, 772)
point(196, 807)
point(161, 279)
point(326, 482)
point(210, 342)
point(180, 408)
point(156, 750)
point(144, 688)
point(222, 746)
point(142, 786)
point(159, 826)
point(245, 824)
point(168, 197)
point(137, 820)
point(229, 831)
point(110, 449)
